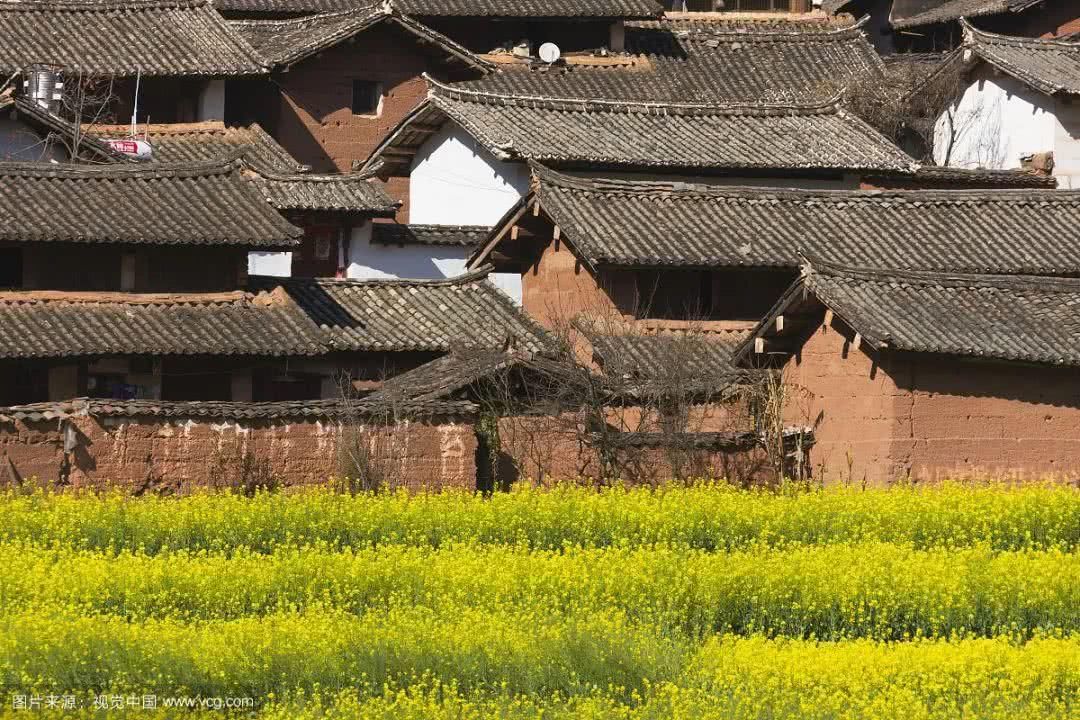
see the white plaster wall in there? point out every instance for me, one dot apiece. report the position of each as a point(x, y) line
point(278, 264)
point(995, 122)
point(370, 261)
point(212, 100)
point(455, 181)
point(1067, 144)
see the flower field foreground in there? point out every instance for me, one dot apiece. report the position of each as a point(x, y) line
point(702, 602)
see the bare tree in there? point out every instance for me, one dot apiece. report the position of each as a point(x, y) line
point(373, 441)
point(597, 408)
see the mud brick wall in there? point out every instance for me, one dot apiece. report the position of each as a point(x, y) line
point(315, 120)
point(885, 417)
point(544, 450)
point(177, 455)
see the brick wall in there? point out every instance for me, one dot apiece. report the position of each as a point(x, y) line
point(158, 455)
point(316, 123)
point(882, 418)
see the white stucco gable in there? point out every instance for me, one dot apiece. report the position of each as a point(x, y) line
point(998, 119)
point(455, 181)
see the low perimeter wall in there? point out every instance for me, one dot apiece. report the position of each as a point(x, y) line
point(152, 454)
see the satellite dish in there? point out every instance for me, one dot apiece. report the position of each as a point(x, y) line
point(550, 53)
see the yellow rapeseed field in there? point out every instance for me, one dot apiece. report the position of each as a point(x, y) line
point(686, 602)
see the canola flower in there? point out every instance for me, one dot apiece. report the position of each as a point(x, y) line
point(706, 516)
point(686, 602)
point(877, 590)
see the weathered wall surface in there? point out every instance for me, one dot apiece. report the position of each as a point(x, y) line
point(931, 418)
point(995, 122)
point(547, 450)
point(139, 455)
point(316, 124)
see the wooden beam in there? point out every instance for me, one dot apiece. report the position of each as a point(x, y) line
point(828, 317)
point(779, 323)
point(514, 232)
point(406, 152)
point(556, 233)
point(857, 341)
point(759, 345)
point(536, 208)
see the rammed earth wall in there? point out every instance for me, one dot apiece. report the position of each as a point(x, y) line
point(179, 454)
point(881, 418)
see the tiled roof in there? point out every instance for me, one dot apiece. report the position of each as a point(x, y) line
point(411, 315)
point(612, 133)
point(461, 8)
point(195, 410)
point(122, 38)
point(913, 13)
point(56, 324)
point(532, 8)
point(443, 377)
point(207, 141)
point(1049, 66)
point(283, 42)
point(984, 316)
point(454, 235)
point(174, 204)
point(945, 178)
point(687, 362)
point(708, 61)
point(997, 231)
point(351, 192)
point(277, 176)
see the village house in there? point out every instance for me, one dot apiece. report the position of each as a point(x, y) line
point(178, 54)
point(484, 26)
point(339, 81)
point(686, 85)
point(330, 207)
point(1015, 105)
point(933, 26)
point(928, 375)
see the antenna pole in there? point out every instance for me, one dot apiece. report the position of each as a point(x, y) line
point(135, 107)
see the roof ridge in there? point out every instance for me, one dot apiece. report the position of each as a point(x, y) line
point(97, 5)
point(195, 168)
point(578, 183)
point(446, 226)
point(764, 34)
point(468, 278)
point(78, 297)
point(1057, 284)
point(974, 35)
point(437, 90)
point(361, 11)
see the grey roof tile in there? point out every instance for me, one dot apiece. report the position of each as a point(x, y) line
point(463, 8)
point(411, 315)
point(996, 231)
point(1049, 66)
point(123, 38)
point(708, 61)
point(283, 42)
point(293, 410)
point(185, 203)
point(913, 13)
point(1029, 319)
point(453, 235)
point(278, 177)
point(64, 324)
point(569, 132)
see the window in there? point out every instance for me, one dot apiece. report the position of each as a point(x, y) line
point(674, 294)
point(366, 97)
point(11, 268)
